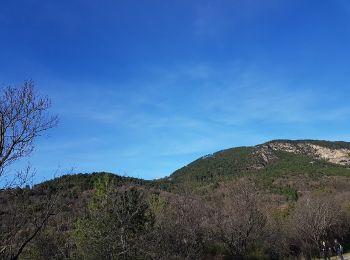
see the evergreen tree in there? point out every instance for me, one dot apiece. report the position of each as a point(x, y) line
point(115, 225)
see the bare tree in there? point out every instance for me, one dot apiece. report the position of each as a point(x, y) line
point(315, 218)
point(23, 117)
point(182, 229)
point(239, 220)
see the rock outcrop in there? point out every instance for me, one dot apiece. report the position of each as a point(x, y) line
point(333, 155)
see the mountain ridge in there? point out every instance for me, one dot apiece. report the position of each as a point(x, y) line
point(272, 159)
point(267, 163)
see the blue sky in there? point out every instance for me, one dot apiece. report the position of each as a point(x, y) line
point(142, 88)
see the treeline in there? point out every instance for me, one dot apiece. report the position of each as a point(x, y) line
point(115, 221)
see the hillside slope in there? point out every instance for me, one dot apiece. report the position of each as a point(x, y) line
point(275, 165)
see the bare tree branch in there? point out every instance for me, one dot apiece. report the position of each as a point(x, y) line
point(23, 117)
point(30, 238)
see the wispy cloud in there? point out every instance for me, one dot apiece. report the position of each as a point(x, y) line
point(181, 112)
point(194, 96)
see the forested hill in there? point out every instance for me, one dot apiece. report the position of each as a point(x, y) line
point(293, 161)
point(311, 159)
point(272, 193)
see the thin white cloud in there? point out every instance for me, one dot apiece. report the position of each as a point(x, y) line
point(187, 111)
point(192, 95)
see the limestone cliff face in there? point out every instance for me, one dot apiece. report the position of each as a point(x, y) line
point(338, 156)
point(333, 155)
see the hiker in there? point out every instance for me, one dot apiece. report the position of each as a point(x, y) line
point(325, 251)
point(338, 248)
